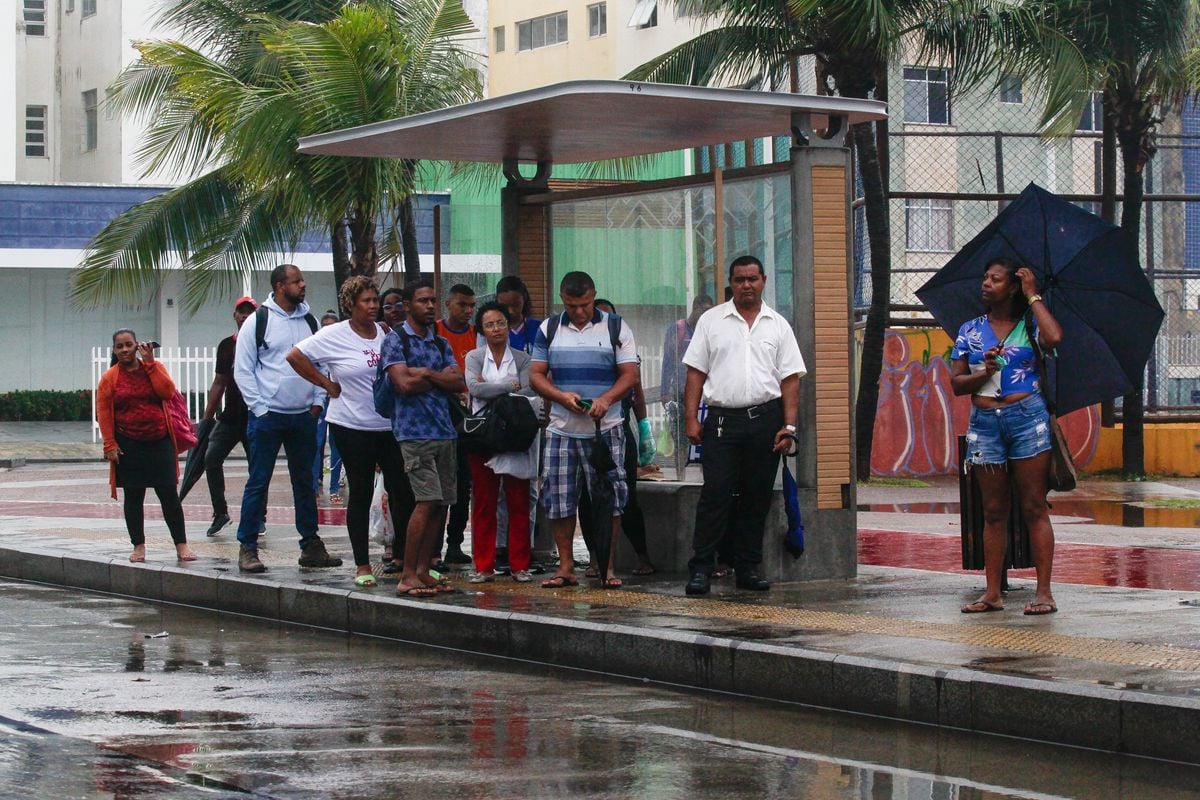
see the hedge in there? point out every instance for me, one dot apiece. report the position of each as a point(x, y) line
point(44, 405)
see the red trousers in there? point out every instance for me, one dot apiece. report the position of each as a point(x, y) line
point(485, 497)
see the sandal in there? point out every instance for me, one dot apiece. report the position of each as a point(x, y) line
point(560, 582)
point(365, 581)
point(415, 591)
point(1039, 609)
point(648, 569)
point(611, 583)
point(391, 568)
point(335, 499)
point(981, 607)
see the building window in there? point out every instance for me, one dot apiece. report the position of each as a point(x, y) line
point(597, 19)
point(1093, 114)
point(35, 17)
point(927, 95)
point(645, 14)
point(1010, 89)
point(91, 120)
point(542, 31)
point(929, 226)
point(89, 8)
point(35, 131)
point(498, 38)
point(69, 6)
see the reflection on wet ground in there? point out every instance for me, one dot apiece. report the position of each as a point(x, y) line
point(1130, 567)
point(1141, 514)
point(290, 712)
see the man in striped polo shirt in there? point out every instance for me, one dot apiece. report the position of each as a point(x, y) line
point(584, 374)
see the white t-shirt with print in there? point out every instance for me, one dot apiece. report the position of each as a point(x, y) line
point(350, 360)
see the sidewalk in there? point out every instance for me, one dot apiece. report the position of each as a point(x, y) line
point(1117, 669)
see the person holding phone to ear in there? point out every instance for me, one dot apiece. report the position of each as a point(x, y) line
point(137, 439)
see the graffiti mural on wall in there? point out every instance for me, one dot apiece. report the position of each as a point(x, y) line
point(919, 418)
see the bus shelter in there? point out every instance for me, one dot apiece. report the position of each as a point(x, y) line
point(655, 246)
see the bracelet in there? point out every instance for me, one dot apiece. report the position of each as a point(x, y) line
point(1033, 298)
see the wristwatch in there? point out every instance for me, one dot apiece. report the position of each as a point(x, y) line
point(790, 428)
point(1033, 298)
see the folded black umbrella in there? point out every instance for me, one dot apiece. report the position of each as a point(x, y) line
point(1089, 276)
point(598, 530)
point(194, 467)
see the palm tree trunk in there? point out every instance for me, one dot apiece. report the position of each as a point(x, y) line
point(339, 245)
point(1133, 453)
point(880, 240)
point(408, 241)
point(364, 257)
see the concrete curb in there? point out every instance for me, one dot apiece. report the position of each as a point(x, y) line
point(1076, 714)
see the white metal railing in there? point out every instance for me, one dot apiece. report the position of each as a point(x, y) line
point(192, 369)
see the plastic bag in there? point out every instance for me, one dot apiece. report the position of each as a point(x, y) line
point(519, 465)
point(380, 522)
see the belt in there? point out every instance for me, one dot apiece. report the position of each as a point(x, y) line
point(750, 412)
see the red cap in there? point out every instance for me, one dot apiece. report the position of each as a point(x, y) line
point(243, 301)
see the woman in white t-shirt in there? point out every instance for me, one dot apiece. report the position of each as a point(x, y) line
point(349, 351)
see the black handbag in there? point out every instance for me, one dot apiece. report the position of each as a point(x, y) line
point(507, 424)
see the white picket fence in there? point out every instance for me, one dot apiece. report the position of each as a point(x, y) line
point(192, 369)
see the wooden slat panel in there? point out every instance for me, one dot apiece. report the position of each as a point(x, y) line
point(533, 255)
point(831, 317)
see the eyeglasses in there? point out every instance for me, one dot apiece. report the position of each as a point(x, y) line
point(495, 326)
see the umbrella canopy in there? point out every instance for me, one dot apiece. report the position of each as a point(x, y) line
point(1090, 279)
point(194, 467)
point(597, 529)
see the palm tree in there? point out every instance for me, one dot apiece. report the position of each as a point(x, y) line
point(854, 44)
point(1144, 55)
point(225, 112)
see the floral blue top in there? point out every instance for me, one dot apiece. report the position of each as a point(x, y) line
point(1019, 375)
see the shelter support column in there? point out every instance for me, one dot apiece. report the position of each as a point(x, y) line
point(525, 233)
point(822, 231)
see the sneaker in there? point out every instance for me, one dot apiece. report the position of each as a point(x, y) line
point(248, 560)
point(482, 577)
point(439, 566)
point(456, 557)
point(315, 555)
point(522, 576)
point(219, 521)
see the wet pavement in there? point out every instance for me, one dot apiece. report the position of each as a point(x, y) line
point(95, 703)
point(1129, 625)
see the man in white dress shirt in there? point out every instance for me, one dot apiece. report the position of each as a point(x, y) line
point(745, 363)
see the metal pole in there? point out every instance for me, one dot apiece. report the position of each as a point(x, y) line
point(437, 252)
point(998, 145)
point(719, 221)
point(1152, 365)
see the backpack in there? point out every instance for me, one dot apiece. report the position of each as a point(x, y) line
point(260, 326)
point(382, 390)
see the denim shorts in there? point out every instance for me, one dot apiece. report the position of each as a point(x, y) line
point(998, 435)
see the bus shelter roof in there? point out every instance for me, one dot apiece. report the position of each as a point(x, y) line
point(578, 121)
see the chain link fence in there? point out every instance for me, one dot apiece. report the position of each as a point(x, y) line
point(946, 185)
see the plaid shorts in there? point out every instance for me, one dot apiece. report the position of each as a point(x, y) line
point(565, 460)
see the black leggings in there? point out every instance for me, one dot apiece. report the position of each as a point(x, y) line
point(361, 451)
point(135, 513)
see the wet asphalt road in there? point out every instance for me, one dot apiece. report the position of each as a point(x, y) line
point(224, 706)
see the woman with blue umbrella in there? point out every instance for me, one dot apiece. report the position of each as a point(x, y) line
point(1009, 437)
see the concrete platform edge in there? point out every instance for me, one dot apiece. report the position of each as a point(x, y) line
point(1068, 713)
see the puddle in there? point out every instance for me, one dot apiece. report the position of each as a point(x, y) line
point(1142, 514)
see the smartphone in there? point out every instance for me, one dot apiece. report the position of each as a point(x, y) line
point(586, 405)
point(154, 345)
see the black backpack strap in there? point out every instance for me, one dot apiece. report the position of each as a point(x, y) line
point(614, 332)
point(312, 322)
point(260, 327)
point(551, 329)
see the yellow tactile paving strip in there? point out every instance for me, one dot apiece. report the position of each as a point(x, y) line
point(996, 636)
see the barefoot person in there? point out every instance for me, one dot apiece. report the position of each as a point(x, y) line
point(138, 443)
point(1009, 436)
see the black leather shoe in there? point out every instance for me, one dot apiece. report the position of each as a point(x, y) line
point(699, 583)
point(754, 581)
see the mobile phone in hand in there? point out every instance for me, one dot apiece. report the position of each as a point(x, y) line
point(154, 345)
point(584, 404)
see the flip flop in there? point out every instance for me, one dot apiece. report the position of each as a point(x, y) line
point(981, 607)
point(1040, 609)
point(559, 582)
point(646, 570)
point(415, 591)
point(611, 583)
point(365, 581)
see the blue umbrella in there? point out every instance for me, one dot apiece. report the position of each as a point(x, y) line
point(793, 540)
point(1089, 276)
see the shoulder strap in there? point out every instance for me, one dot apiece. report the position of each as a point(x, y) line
point(260, 327)
point(551, 329)
point(312, 322)
point(614, 332)
point(1040, 355)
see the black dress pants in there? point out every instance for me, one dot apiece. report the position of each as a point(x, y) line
point(739, 479)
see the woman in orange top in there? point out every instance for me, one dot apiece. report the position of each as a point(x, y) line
point(138, 441)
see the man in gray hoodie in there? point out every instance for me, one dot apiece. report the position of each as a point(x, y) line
point(283, 410)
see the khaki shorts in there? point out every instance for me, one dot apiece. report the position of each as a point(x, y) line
point(432, 470)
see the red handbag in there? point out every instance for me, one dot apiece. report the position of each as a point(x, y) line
point(183, 430)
